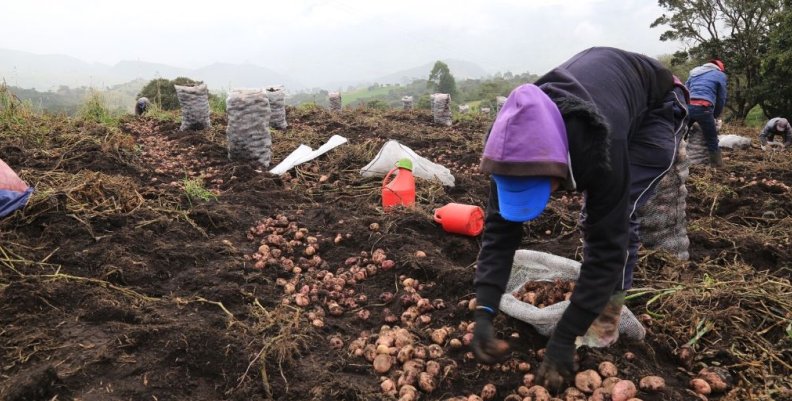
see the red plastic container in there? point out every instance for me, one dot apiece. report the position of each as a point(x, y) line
point(462, 219)
point(401, 189)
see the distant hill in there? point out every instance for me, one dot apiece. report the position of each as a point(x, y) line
point(46, 72)
point(460, 69)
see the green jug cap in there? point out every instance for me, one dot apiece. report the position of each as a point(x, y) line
point(405, 164)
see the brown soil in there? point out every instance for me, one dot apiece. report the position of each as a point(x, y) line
point(117, 284)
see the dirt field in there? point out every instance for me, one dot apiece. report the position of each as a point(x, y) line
point(118, 282)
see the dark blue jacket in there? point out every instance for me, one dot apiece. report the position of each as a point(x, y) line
point(708, 82)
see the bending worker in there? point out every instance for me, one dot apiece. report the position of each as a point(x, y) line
point(606, 122)
point(707, 85)
point(776, 126)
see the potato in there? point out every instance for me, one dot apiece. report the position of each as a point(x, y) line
point(512, 397)
point(700, 386)
point(522, 391)
point(414, 364)
point(435, 351)
point(467, 338)
point(439, 336)
point(629, 356)
point(623, 391)
point(455, 343)
point(684, 355)
point(420, 352)
point(370, 352)
point(433, 368)
point(607, 384)
point(599, 395)
point(488, 392)
point(573, 394)
point(388, 387)
point(408, 378)
point(473, 397)
point(382, 363)
point(403, 337)
point(538, 393)
point(607, 369)
point(426, 382)
point(528, 380)
point(405, 354)
point(336, 342)
point(718, 378)
point(587, 381)
point(652, 384)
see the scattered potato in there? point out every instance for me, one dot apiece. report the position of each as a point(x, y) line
point(587, 381)
point(426, 382)
point(700, 386)
point(382, 363)
point(573, 394)
point(538, 393)
point(652, 384)
point(488, 392)
point(623, 391)
point(608, 369)
point(717, 377)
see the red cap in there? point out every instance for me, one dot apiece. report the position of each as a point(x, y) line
point(719, 64)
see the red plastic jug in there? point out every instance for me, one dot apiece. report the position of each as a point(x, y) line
point(462, 219)
point(401, 189)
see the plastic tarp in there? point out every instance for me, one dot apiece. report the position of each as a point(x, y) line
point(393, 151)
point(14, 193)
point(304, 153)
point(734, 141)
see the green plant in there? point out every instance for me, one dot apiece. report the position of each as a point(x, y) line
point(12, 110)
point(95, 110)
point(162, 92)
point(217, 103)
point(194, 188)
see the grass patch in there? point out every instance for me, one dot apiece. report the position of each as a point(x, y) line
point(195, 190)
point(95, 110)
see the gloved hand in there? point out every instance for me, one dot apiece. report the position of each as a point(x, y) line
point(604, 331)
point(557, 368)
point(486, 347)
point(763, 147)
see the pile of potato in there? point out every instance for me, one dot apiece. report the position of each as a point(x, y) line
point(544, 293)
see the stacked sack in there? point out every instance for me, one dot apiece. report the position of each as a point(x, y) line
point(485, 110)
point(663, 219)
point(277, 104)
point(194, 103)
point(499, 102)
point(463, 108)
point(441, 108)
point(697, 152)
point(248, 126)
point(335, 101)
point(407, 102)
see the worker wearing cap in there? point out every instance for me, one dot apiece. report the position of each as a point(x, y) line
point(707, 85)
point(776, 126)
point(606, 122)
point(141, 106)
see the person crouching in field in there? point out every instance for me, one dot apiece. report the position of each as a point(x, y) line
point(141, 106)
point(776, 126)
point(607, 122)
point(707, 85)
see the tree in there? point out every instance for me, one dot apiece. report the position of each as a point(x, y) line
point(441, 80)
point(734, 30)
point(776, 87)
point(163, 93)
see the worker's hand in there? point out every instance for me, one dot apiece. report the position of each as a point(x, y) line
point(763, 147)
point(554, 374)
point(486, 347)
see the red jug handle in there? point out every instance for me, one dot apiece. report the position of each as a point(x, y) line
point(387, 176)
point(437, 217)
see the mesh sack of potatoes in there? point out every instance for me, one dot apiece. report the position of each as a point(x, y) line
point(248, 126)
point(696, 146)
point(335, 101)
point(277, 103)
point(441, 108)
point(407, 102)
point(663, 219)
point(540, 266)
point(194, 103)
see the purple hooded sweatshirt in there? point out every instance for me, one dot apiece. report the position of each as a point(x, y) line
point(528, 138)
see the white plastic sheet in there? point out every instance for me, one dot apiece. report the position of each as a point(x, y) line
point(734, 141)
point(304, 153)
point(393, 151)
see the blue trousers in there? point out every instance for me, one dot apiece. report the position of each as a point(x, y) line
point(704, 116)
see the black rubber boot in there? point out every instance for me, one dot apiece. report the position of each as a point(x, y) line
point(715, 158)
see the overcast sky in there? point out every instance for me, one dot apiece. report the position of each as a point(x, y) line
point(321, 41)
